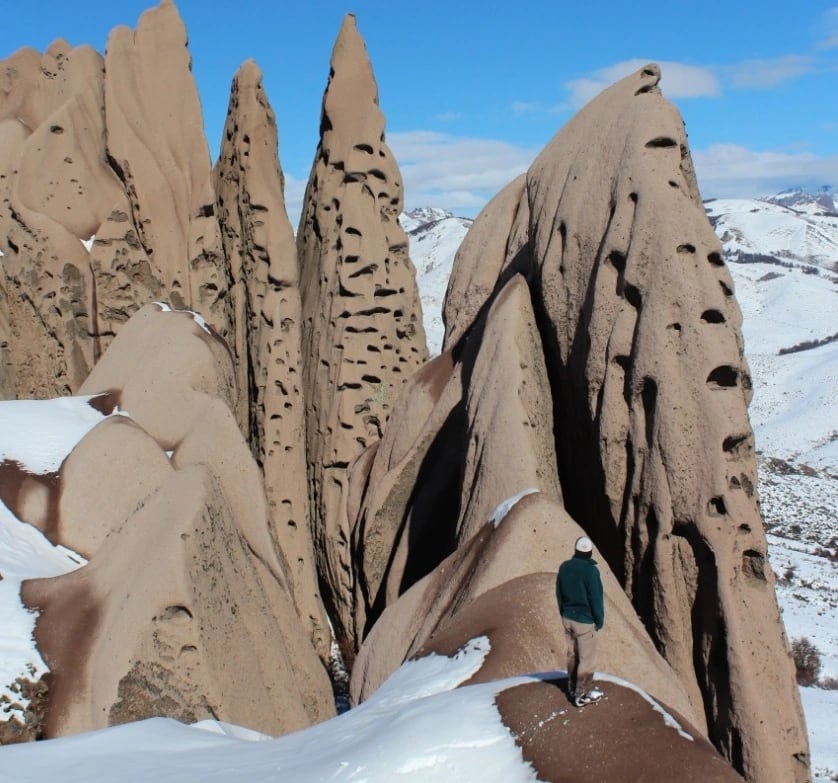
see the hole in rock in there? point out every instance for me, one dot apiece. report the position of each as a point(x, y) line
point(723, 377)
point(617, 260)
point(716, 259)
point(661, 141)
point(716, 507)
point(713, 317)
point(753, 565)
point(632, 294)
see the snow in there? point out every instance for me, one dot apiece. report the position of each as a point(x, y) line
point(434, 238)
point(821, 708)
point(88, 243)
point(505, 506)
point(39, 434)
point(24, 554)
point(419, 723)
point(197, 317)
point(753, 226)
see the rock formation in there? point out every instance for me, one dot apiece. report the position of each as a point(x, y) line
point(362, 324)
point(183, 590)
point(296, 440)
point(264, 290)
point(106, 203)
point(650, 389)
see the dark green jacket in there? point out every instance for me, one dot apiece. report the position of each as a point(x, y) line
point(579, 591)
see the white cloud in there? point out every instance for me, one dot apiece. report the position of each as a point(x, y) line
point(295, 190)
point(527, 107)
point(830, 28)
point(762, 74)
point(448, 116)
point(730, 170)
point(455, 172)
point(677, 81)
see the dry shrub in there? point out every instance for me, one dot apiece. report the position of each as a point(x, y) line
point(807, 661)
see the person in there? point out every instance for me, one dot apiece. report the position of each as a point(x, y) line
point(579, 593)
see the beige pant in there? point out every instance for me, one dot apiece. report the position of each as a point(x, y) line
point(581, 644)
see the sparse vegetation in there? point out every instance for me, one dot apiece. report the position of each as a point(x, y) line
point(807, 661)
point(24, 724)
point(808, 344)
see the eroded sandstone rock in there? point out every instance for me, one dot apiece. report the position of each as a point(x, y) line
point(107, 203)
point(262, 256)
point(165, 618)
point(362, 324)
point(650, 391)
point(185, 607)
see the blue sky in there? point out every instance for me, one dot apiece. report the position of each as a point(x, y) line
point(472, 91)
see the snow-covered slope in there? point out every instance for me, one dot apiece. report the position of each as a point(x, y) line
point(417, 727)
point(434, 236)
point(35, 435)
point(750, 227)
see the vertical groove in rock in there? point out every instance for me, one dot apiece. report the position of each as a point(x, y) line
point(264, 292)
point(164, 166)
point(362, 323)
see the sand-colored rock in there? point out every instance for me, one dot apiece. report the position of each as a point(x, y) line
point(650, 388)
point(469, 435)
point(105, 202)
point(8, 382)
point(472, 285)
point(119, 465)
point(502, 583)
point(167, 617)
point(362, 324)
point(164, 166)
point(174, 377)
point(55, 185)
point(166, 364)
point(261, 252)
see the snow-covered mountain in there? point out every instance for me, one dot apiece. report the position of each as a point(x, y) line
point(783, 256)
point(434, 235)
point(788, 229)
point(812, 203)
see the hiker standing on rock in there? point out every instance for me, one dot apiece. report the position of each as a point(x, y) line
point(579, 592)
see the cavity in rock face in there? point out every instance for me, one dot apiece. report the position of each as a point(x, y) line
point(264, 291)
point(647, 391)
point(362, 324)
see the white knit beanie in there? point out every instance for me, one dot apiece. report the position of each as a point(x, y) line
point(584, 544)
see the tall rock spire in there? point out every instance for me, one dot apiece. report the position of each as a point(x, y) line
point(362, 324)
point(650, 388)
point(264, 292)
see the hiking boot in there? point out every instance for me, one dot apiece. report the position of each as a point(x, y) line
point(588, 698)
